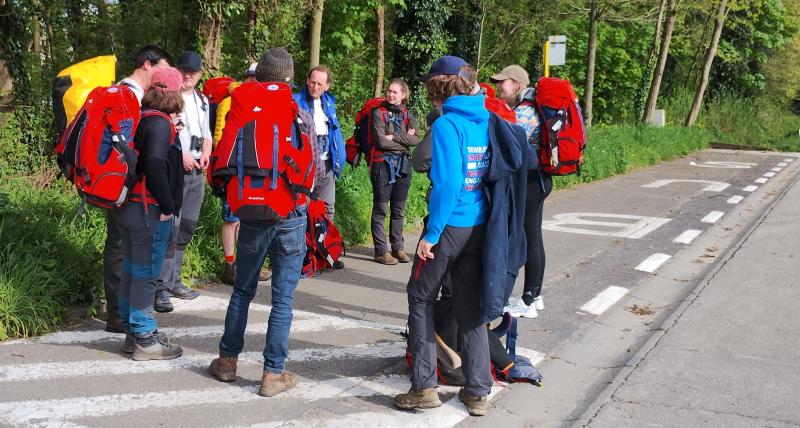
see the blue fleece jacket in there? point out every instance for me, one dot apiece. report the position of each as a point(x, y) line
point(460, 159)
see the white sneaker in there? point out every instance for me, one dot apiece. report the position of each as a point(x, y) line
point(539, 303)
point(520, 309)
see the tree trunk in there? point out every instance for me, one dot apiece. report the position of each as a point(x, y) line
point(655, 86)
point(210, 31)
point(699, 55)
point(37, 38)
point(648, 72)
point(380, 19)
point(75, 14)
point(711, 52)
point(252, 19)
point(316, 33)
point(590, 60)
point(480, 35)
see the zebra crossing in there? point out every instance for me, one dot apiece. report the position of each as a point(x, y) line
point(61, 393)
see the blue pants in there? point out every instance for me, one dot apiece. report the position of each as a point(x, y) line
point(284, 242)
point(144, 244)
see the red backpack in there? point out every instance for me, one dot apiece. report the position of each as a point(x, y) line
point(362, 143)
point(563, 134)
point(96, 153)
point(264, 162)
point(323, 240)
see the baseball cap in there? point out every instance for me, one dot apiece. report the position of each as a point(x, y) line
point(513, 72)
point(189, 60)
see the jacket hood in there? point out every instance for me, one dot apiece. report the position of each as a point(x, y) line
point(470, 107)
point(508, 144)
point(527, 94)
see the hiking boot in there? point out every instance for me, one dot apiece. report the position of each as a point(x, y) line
point(426, 398)
point(130, 344)
point(114, 324)
point(185, 293)
point(476, 406)
point(162, 304)
point(338, 264)
point(155, 347)
point(265, 274)
point(520, 309)
point(538, 303)
point(275, 383)
point(386, 259)
point(228, 273)
point(401, 256)
point(223, 368)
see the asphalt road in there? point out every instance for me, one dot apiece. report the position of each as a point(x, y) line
point(604, 241)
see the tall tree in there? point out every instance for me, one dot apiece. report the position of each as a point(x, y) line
point(210, 31)
point(590, 59)
point(711, 52)
point(380, 20)
point(316, 32)
point(655, 85)
point(647, 76)
point(252, 20)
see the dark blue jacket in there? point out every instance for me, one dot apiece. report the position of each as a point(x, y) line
point(335, 139)
point(505, 247)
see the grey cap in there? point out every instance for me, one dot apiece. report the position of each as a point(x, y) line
point(513, 72)
point(275, 65)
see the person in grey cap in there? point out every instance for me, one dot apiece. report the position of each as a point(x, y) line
point(195, 139)
point(513, 87)
point(284, 242)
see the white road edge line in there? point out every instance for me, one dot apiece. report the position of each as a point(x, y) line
point(783, 164)
point(769, 174)
point(790, 160)
point(761, 180)
point(653, 262)
point(750, 188)
point(776, 169)
point(687, 237)
point(604, 300)
point(712, 217)
point(733, 200)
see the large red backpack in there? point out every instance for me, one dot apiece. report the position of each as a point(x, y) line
point(216, 89)
point(323, 241)
point(362, 143)
point(96, 153)
point(563, 134)
point(264, 162)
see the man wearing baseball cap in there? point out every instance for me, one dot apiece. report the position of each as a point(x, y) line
point(195, 139)
point(513, 87)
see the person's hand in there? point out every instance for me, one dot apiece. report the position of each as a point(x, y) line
point(204, 159)
point(165, 217)
point(390, 137)
point(412, 132)
point(189, 163)
point(425, 250)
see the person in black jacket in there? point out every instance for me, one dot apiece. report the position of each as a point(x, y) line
point(147, 218)
point(395, 131)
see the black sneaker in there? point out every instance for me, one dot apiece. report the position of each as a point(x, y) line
point(162, 304)
point(338, 264)
point(185, 293)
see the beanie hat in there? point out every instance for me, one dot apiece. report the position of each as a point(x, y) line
point(275, 65)
point(166, 79)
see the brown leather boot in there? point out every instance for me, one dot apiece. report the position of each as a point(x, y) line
point(228, 273)
point(401, 256)
point(275, 383)
point(224, 368)
point(476, 406)
point(426, 398)
point(386, 259)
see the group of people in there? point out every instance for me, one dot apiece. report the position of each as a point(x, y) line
point(147, 236)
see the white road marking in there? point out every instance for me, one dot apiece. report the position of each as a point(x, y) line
point(712, 217)
point(789, 160)
point(687, 237)
point(750, 189)
point(733, 200)
point(769, 174)
point(776, 169)
point(724, 164)
point(713, 186)
point(783, 164)
point(761, 180)
point(632, 226)
point(604, 300)
point(653, 262)
point(46, 371)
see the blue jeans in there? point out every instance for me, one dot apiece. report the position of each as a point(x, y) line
point(285, 243)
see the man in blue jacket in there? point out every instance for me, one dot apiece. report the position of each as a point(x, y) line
point(315, 99)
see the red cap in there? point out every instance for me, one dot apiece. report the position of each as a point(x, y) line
point(166, 79)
